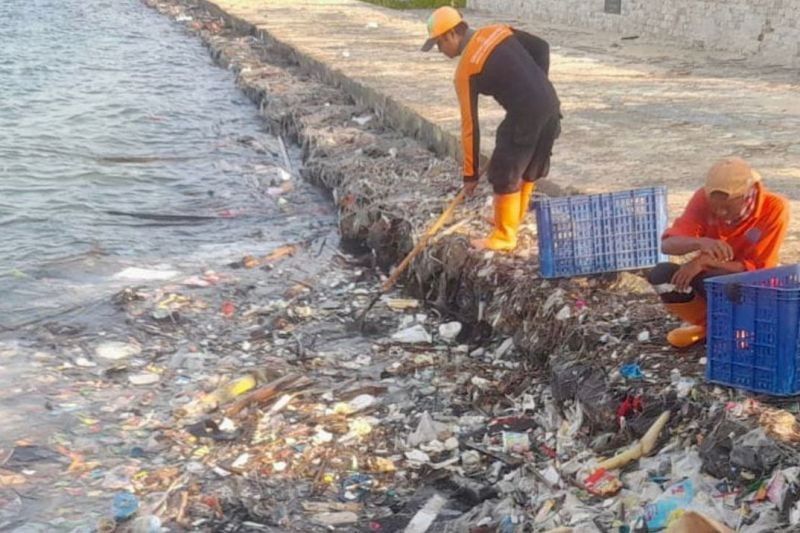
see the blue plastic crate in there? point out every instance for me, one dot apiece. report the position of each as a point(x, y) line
point(753, 340)
point(595, 233)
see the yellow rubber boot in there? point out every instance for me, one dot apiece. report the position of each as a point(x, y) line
point(506, 220)
point(686, 336)
point(525, 198)
point(694, 314)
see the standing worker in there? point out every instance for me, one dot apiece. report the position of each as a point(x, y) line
point(512, 66)
point(732, 224)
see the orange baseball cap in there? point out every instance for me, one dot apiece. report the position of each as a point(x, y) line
point(440, 22)
point(732, 176)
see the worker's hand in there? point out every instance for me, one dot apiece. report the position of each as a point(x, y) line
point(470, 187)
point(686, 273)
point(716, 249)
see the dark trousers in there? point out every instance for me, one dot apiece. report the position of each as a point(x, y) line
point(663, 272)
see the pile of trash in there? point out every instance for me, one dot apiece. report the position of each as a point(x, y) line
point(544, 405)
point(413, 429)
point(419, 432)
point(280, 418)
point(483, 399)
point(417, 428)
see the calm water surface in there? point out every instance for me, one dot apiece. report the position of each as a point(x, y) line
point(106, 108)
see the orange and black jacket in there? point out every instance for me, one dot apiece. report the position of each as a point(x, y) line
point(512, 66)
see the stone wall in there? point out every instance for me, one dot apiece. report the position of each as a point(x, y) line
point(766, 29)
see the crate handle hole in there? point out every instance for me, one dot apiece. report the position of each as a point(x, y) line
point(734, 293)
point(742, 337)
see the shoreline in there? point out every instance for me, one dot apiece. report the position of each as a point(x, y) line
point(609, 319)
point(481, 395)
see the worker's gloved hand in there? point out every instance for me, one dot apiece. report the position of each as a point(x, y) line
point(470, 187)
point(716, 249)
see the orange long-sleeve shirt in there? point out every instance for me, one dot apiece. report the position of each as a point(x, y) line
point(756, 241)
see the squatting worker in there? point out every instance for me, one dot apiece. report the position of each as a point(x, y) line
point(512, 66)
point(733, 224)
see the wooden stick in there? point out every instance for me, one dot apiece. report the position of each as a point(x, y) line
point(262, 394)
point(182, 507)
point(454, 228)
point(423, 241)
point(286, 161)
point(175, 484)
point(500, 456)
point(317, 486)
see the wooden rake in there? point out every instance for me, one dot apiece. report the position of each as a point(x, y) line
point(432, 230)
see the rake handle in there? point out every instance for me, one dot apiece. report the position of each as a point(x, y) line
point(423, 241)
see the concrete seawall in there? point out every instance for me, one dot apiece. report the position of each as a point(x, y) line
point(396, 114)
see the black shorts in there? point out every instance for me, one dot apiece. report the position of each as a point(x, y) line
point(522, 151)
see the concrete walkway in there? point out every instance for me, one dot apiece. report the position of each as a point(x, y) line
point(636, 113)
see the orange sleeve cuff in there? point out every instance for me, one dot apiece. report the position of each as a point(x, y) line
point(749, 265)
